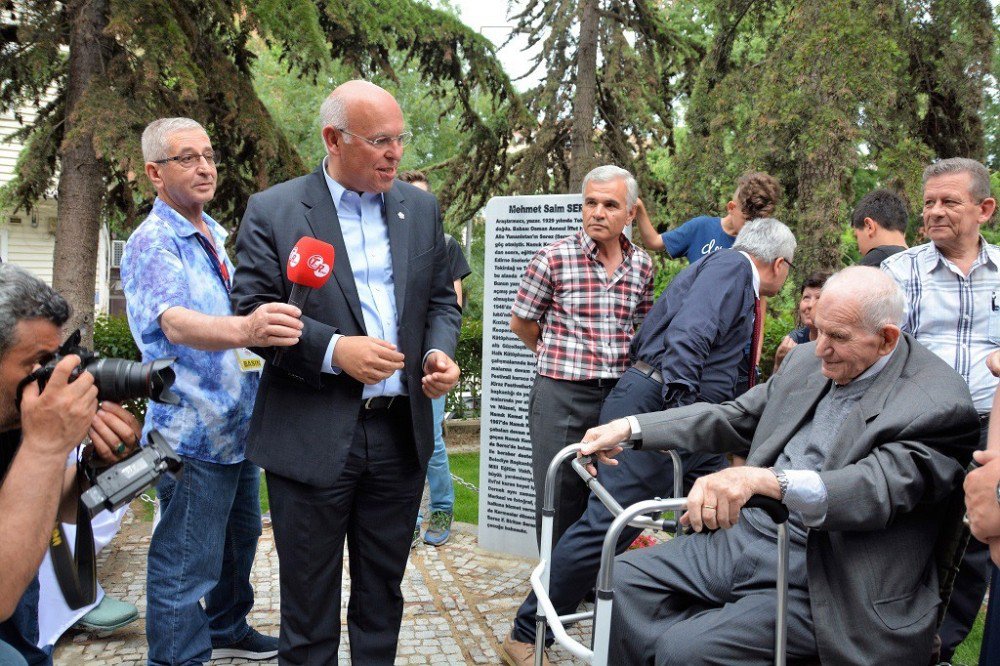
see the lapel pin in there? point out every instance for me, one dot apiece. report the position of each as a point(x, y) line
point(402, 215)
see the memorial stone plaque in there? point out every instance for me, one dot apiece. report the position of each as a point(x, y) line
point(516, 228)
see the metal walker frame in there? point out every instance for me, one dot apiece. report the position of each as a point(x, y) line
point(635, 516)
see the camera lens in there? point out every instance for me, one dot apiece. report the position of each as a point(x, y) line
point(119, 379)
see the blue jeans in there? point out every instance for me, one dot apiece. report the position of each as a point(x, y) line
point(203, 547)
point(438, 471)
point(19, 632)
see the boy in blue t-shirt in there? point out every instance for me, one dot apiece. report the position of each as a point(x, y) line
point(757, 194)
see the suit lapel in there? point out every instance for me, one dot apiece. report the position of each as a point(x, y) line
point(798, 407)
point(397, 219)
point(322, 218)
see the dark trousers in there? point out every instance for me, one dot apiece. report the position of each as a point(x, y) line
point(560, 413)
point(373, 504)
point(639, 475)
point(970, 587)
point(708, 598)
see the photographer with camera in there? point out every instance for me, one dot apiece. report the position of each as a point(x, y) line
point(35, 440)
point(177, 278)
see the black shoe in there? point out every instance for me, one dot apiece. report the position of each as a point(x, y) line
point(255, 646)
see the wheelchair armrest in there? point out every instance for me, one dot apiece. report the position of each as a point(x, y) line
point(777, 511)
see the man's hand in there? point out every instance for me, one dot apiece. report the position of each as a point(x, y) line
point(603, 442)
point(716, 500)
point(57, 419)
point(369, 360)
point(981, 496)
point(272, 325)
point(993, 363)
point(440, 375)
point(114, 432)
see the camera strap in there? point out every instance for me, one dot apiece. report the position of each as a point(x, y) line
point(76, 569)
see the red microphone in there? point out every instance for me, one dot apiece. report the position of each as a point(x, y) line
point(310, 264)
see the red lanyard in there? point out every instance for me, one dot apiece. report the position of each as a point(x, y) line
point(220, 266)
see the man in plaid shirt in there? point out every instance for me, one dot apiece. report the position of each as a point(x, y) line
point(952, 287)
point(580, 301)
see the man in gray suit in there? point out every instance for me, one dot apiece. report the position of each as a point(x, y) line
point(863, 435)
point(343, 424)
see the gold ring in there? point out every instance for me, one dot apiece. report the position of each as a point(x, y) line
point(707, 508)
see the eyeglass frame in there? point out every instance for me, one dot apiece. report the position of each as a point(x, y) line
point(197, 157)
point(382, 141)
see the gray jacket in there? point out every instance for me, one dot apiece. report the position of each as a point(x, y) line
point(899, 454)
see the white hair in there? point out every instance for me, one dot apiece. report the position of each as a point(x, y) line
point(610, 172)
point(880, 300)
point(333, 111)
point(766, 239)
point(156, 136)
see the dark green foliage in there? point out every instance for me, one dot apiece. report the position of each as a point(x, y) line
point(469, 356)
point(113, 339)
point(833, 98)
point(645, 60)
point(195, 59)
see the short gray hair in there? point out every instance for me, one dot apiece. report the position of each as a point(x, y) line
point(156, 136)
point(24, 297)
point(766, 239)
point(610, 172)
point(979, 188)
point(880, 300)
point(333, 111)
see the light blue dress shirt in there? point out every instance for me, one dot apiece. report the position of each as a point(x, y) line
point(366, 237)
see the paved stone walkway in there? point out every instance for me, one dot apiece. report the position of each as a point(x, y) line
point(460, 601)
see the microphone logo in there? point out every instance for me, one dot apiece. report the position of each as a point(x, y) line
point(294, 257)
point(320, 268)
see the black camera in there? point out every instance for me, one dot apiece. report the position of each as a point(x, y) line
point(114, 486)
point(117, 379)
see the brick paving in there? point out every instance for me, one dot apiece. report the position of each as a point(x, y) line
point(460, 601)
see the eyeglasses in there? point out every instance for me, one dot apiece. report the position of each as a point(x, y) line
point(790, 264)
point(382, 141)
point(188, 160)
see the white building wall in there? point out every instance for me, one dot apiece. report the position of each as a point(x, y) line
point(30, 242)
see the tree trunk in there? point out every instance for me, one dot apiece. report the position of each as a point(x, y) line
point(585, 98)
point(81, 181)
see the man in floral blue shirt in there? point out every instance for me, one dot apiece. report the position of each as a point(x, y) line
point(176, 278)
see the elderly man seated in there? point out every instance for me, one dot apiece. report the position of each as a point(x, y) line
point(862, 435)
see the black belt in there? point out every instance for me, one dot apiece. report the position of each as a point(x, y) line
point(381, 402)
point(599, 382)
point(647, 370)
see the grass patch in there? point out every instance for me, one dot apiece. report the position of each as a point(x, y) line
point(967, 654)
point(466, 466)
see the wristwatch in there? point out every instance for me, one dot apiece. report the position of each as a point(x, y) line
point(783, 483)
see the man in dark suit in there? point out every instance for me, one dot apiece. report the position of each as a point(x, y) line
point(692, 347)
point(864, 435)
point(343, 425)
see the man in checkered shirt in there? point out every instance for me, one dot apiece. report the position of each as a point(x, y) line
point(580, 301)
point(952, 287)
